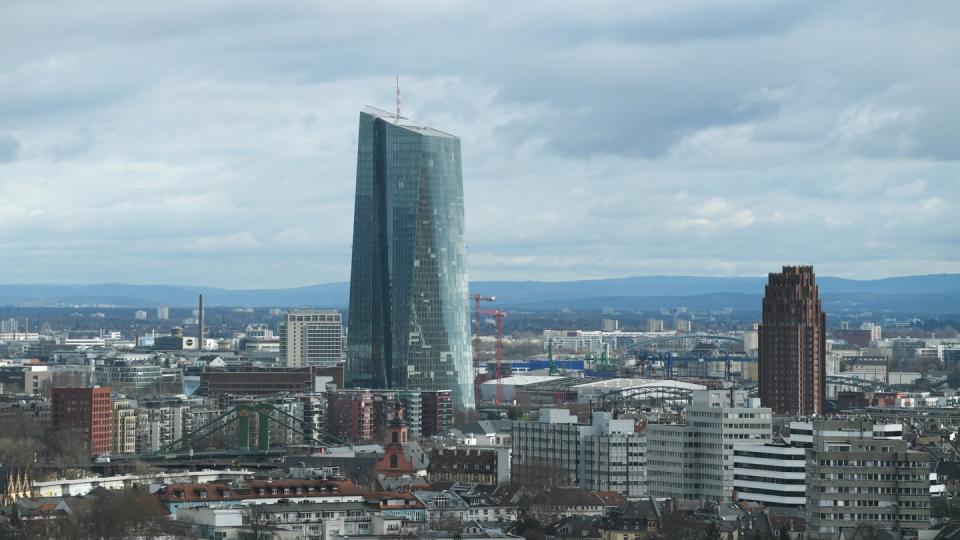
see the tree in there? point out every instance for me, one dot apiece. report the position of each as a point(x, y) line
point(712, 532)
point(680, 525)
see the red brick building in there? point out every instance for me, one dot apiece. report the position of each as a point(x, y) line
point(87, 411)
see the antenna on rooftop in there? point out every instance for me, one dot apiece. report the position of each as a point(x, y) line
point(398, 97)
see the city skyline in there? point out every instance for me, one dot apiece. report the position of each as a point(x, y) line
point(704, 135)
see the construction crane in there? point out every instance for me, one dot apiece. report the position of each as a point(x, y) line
point(477, 298)
point(553, 364)
point(498, 317)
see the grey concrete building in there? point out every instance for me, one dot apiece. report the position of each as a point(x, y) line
point(878, 482)
point(609, 454)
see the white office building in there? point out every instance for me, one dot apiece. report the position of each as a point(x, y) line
point(803, 433)
point(770, 474)
point(311, 338)
point(693, 460)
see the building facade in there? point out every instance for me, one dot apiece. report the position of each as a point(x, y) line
point(609, 454)
point(792, 344)
point(694, 460)
point(877, 482)
point(770, 474)
point(311, 338)
point(547, 449)
point(613, 456)
point(409, 310)
point(88, 412)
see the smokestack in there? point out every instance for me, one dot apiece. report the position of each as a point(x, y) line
point(200, 329)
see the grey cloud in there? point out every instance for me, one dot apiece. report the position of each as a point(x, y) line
point(9, 148)
point(224, 134)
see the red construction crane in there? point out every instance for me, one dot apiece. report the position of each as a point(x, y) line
point(477, 298)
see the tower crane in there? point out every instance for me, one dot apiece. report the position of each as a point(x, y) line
point(498, 315)
point(477, 298)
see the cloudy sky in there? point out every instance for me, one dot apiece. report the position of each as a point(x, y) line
point(214, 142)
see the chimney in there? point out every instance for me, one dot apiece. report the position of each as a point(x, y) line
point(200, 327)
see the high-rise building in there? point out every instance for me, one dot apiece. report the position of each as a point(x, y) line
point(409, 322)
point(140, 315)
point(311, 338)
point(609, 325)
point(9, 326)
point(163, 313)
point(88, 412)
point(655, 325)
point(792, 344)
point(695, 460)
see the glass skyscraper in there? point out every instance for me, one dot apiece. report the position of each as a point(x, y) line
point(408, 324)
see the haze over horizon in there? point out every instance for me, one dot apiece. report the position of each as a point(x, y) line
point(215, 143)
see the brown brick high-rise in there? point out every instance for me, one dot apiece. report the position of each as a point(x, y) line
point(793, 345)
point(87, 411)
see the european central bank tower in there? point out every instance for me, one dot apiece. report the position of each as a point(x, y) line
point(409, 325)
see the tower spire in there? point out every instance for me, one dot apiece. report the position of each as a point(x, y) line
point(398, 97)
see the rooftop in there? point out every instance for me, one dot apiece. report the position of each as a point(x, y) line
point(405, 123)
point(627, 383)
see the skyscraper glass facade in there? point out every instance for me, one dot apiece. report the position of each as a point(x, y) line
point(408, 324)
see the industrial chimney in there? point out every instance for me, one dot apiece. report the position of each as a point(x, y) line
point(200, 327)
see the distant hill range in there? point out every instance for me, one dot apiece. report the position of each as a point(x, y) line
point(934, 294)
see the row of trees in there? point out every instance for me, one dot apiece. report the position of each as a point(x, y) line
point(131, 513)
point(25, 443)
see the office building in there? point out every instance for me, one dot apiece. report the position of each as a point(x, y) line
point(546, 450)
point(311, 338)
point(88, 413)
point(613, 456)
point(32, 380)
point(130, 377)
point(792, 344)
point(867, 481)
point(771, 474)
point(409, 314)
point(694, 460)
point(808, 433)
point(606, 455)
point(220, 383)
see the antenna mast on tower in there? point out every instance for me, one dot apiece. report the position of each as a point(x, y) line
point(398, 97)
